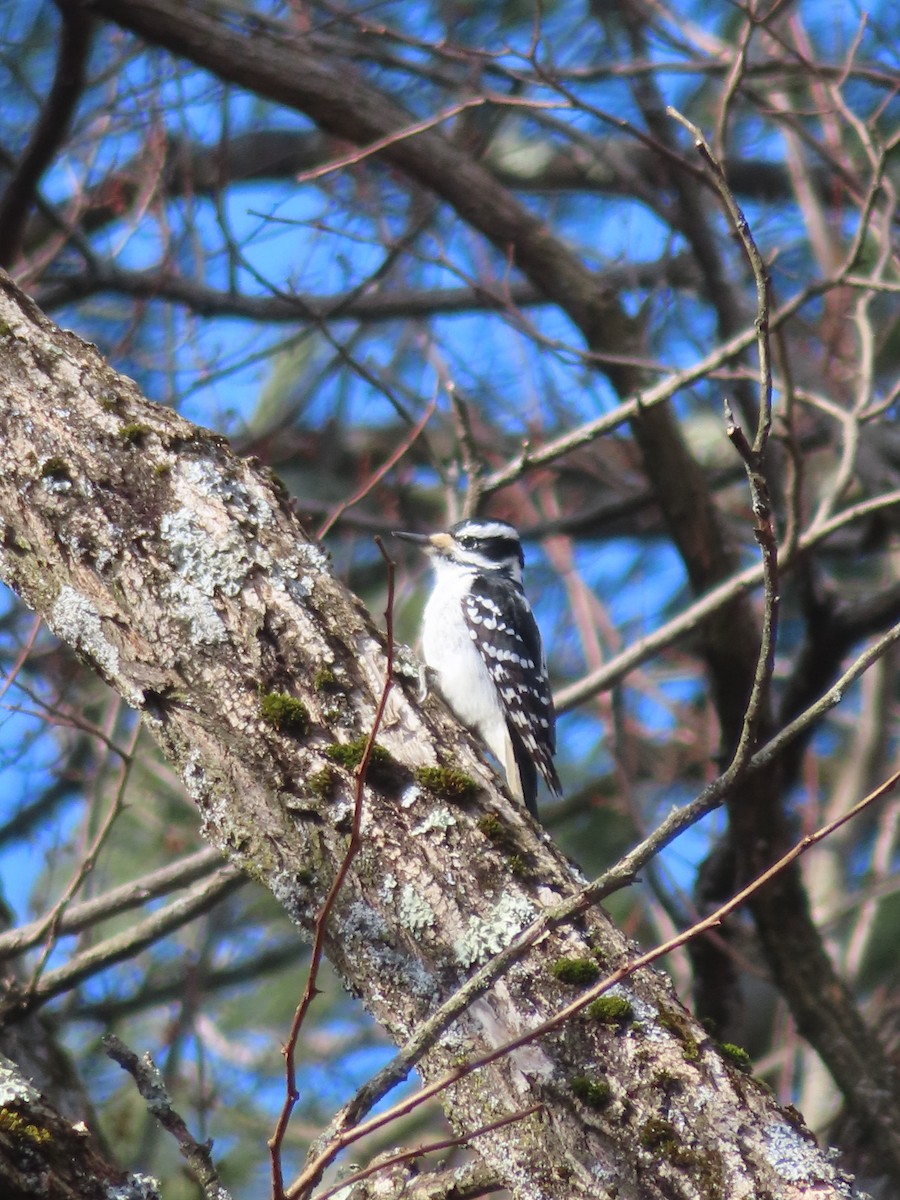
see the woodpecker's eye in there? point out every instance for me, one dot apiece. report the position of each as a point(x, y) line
point(468, 543)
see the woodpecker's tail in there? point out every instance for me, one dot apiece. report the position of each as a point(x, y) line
point(521, 772)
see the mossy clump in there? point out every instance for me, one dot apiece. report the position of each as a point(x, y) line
point(134, 433)
point(737, 1056)
point(55, 468)
point(322, 783)
point(492, 827)
point(350, 754)
point(656, 1132)
point(285, 713)
point(662, 1138)
point(447, 783)
point(610, 1010)
point(679, 1027)
point(518, 866)
point(499, 833)
point(577, 971)
point(595, 1093)
point(503, 838)
point(325, 680)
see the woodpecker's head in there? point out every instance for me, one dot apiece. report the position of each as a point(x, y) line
point(476, 544)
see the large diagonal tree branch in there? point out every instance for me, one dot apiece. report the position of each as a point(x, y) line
point(180, 574)
point(274, 61)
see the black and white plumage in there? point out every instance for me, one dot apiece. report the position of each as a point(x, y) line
point(480, 639)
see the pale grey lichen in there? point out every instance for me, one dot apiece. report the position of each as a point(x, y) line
point(416, 977)
point(415, 913)
point(76, 621)
point(56, 484)
point(199, 613)
point(215, 556)
point(365, 929)
point(153, 1089)
point(794, 1157)
point(364, 922)
point(299, 590)
point(410, 795)
point(204, 476)
point(485, 937)
point(296, 574)
point(642, 1012)
point(211, 562)
point(439, 818)
point(14, 1087)
point(288, 893)
point(311, 557)
point(194, 778)
point(136, 1186)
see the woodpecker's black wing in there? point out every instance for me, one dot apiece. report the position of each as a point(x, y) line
point(503, 628)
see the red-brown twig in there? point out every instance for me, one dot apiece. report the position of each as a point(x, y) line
point(310, 992)
point(392, 461)
point(22, 656)
point(617, 877)
point(429, 1148)
point(313, 1169)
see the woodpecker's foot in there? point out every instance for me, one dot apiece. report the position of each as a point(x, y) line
point(407, 666)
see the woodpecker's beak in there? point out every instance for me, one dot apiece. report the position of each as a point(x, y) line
point(441, 542)
point(420, 539)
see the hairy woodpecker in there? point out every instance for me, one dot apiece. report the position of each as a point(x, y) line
point(480, 639)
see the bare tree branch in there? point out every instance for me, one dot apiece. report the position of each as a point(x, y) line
point(203, 555)
point(50, 130)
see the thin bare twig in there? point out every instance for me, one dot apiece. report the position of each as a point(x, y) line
point(378, 475)
point(21, 656)
point(49, 131)
point(613, 671)
point(53, 920)
point(617, 877)
point(733, 82)
point(409, 1156)
point(753, 457)
point(113, 902)
point(472, 462)
point(313, 1170)
point(658, 393)
point(124, 945)
point(150, 1084)
point(310, 992)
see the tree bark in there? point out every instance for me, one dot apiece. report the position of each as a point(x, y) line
point(180, 573)
point(43, 1154)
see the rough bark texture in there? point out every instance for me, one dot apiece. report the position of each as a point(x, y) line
point(180, 574)
point(42, 1154)
point(309, 73)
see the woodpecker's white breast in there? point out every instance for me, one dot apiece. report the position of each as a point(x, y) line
point(449, 650)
